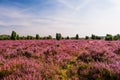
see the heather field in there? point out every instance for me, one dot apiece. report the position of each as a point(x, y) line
point(59, 60)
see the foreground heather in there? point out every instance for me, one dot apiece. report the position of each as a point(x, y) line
point(59, 60)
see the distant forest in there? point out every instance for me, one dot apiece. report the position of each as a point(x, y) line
point(15, 36)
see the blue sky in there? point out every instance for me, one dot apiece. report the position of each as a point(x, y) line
point(69, 17)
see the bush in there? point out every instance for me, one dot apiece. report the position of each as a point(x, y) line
point(86, 57)
point(30, 37)
point(108, 37)
point(18, 37)
point(91, 72)
point(13, 35)
point(116, 37)
point(77, 36)
point(68, 37)
point(4, 73)
point(93, 36)
point(93, 56)
point(58, 36)
point(37, 36)
point(49, 37)
point(117, 51)
point(100, 74)
point(86, 37)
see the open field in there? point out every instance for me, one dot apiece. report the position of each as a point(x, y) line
point(59, 60)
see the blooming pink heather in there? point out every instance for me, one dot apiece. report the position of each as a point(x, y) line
point(59, 60)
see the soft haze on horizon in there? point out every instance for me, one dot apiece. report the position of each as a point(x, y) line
point(68, 17)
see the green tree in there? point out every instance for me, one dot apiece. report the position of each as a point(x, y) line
point(68, 37)
point(93, 36)
point(18, 37)
point(98, 37)
point(28, 37)
point(108, 37)
point(45, 37)
point(77, 36)
point(13, 35)
point(37, 36)
point(86, 37)
point(49, 37)
point(58, 36)
point(23, 38)
point(116, 37)
point(4, 37)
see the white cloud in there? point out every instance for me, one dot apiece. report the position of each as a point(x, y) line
point(2, 23)
point(77, 5)
point(82, 5)
point(99, 19)
point(115, 2)
point(66, 3)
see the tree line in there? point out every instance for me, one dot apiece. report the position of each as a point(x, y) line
point(15, 36)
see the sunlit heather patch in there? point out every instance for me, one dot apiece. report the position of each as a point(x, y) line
point(59, 60)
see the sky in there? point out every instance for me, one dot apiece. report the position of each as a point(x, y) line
point(68, 17)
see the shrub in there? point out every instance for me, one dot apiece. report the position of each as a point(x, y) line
point(18, 37)
point(49, 37)
point(58, 36)
point(117, 51)
point(92, 56)
point(68, 37)
point(83, 71)
point(30, 37)
point(4, 73)
point(37, 36)
point(100, 74)
point(116, 37)
point(93, 36)
point(109, 37)
point(86, 37)
point(86, 57)
point(13, 35)
point(77, 36)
